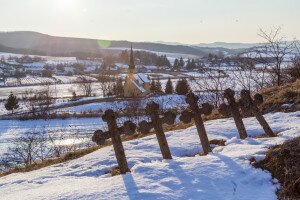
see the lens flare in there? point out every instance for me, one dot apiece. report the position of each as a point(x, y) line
point(104, 43)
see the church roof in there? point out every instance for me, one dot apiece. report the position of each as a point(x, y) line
point(141, 78)
point(140, 88)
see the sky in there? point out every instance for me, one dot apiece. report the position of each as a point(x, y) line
point(184, 21)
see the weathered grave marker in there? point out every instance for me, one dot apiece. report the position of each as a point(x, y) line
point(233, 109)
point(100, 137)
point(195, 112)
point(152, 109)
point(247, 103)
point(114, 132)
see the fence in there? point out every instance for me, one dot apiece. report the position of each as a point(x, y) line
point(232, 108)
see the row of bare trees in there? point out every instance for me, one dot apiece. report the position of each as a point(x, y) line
point(270, 64)
point(34, 147)
point(109, 85)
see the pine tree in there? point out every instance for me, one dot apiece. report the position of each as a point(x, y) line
point(74, 96)
point(169, 87)
point(12, 103)
point(158, 87)
point(176, 64)
point(193, 64)
point(188, 65)
point(153, 86)
point(181, 62)
point(182, 87)
point(166, 61)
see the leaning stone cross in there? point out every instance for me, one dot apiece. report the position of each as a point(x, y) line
point(152, 109)
point(249, 104)
point(233, 109)
point(195, 112)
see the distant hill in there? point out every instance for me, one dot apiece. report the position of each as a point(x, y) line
point(53, 45)
point(18, 51)
point(228, 45)
point(224, 45)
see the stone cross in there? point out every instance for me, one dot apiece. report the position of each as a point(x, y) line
point(249, 104)
point(232, 109)
point(152, 109)
point(195, 112)
point(114, 132)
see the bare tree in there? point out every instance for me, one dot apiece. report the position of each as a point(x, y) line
point(275, 48)
point(24, 149)
point(36, 146)
point(243, 72)
point(106, 84)
point(213, 85)
point(44, 98)
point(85, 84)
point(134, 111)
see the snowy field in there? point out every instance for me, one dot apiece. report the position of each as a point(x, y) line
point(165, 102)
point(63, 91)
point(48, 59)
point(223, 174)
point(58, 90)
point(36, 80)
point(12, 130)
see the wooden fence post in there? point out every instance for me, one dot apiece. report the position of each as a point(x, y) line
point(233, 109)
point(114, 133)
point(195, 112)
point(248, 103)
point(152, 109)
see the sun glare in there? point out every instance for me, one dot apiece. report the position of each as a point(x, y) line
point(66, 5)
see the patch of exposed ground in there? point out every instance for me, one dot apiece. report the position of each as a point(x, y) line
point(283, 161)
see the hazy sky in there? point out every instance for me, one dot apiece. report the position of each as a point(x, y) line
point(187, 21)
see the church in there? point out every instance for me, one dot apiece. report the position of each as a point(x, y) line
point(136, 84)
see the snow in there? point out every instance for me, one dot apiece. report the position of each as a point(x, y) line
point(66, 79)
point(58, 90)
point(140, 88)
point(141, 78)
point(287, 105)
point(165, 102)
point(223, 174)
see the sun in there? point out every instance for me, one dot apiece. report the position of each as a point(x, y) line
point(66, 5)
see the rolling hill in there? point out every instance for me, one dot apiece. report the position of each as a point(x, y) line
point(54, 45)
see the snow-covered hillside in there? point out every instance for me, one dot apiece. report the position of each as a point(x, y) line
point(223, 174)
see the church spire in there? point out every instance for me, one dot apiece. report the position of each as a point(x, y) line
point(131, 63)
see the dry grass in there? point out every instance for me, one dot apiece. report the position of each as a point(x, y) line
point(217, 142)
point(283, 161)
point(52, 161)
point(264, 135)
point(275, 97)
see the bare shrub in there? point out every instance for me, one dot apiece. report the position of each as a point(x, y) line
point(35, 147)
point(294, 70)
point(214, 85)
point(107, 83)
